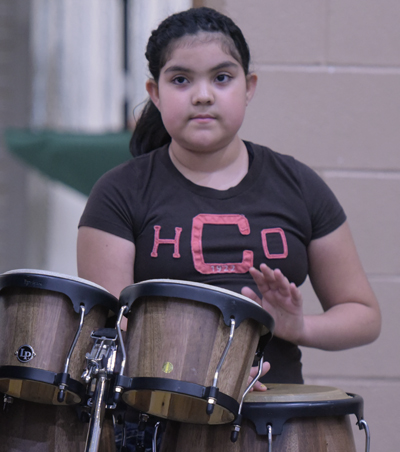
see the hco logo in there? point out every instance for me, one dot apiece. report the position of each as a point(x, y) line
point(25, 353)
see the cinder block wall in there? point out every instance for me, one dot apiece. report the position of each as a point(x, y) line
point(329, 94)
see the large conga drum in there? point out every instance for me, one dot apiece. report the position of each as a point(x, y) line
point(285, 418)
point(45, 325)
point(189, 346)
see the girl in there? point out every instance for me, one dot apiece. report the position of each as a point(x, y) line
point(199, 204)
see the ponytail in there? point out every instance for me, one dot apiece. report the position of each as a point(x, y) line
point(149, 133)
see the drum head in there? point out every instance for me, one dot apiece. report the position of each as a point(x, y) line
point(286, 393)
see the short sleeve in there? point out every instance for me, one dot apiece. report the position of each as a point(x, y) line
point(108, 208)
point(326, 213)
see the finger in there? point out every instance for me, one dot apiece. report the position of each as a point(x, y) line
point(296, 295)
point(259, 387)
point(283, 284)
point(265, 368)
point(264, 278)
point(273, 278)
point(249, 293)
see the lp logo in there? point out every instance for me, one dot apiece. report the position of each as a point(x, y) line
point(25, 353)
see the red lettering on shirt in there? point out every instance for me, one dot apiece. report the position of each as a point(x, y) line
point(197, 248)
point(158, 242)
point(279, 231)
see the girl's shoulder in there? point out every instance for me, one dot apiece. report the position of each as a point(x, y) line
point(277, 162)
point(136, 169)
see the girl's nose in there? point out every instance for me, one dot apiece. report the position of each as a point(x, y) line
point(203, 94)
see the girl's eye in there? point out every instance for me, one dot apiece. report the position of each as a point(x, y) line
point(180, 80)
point(221, 78)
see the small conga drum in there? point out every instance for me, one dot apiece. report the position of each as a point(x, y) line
point(45, 325)
point(189, 348)
point(285, 418)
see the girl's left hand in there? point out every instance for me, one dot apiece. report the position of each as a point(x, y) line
point(253, 372)
point(281, 299)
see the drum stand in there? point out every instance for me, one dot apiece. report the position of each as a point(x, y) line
point(100, 368)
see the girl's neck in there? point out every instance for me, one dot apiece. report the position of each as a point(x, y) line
point(219, 170)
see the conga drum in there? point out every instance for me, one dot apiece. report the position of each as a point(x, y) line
point(189, 346)
point(35, 427)
point(45, 324)
point(285, 418)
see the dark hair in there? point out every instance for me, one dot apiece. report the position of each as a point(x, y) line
point(150, 132)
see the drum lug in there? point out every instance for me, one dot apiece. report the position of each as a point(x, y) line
point(236, 428)
point(212, 399)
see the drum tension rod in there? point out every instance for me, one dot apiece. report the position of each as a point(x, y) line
point(213, 391)
point(269, 429)
point(238, 421)
point(118, 388)
point(63, 382)
point(154, 441)
point(362, 424)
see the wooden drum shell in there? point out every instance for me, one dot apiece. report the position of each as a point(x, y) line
point(183, 340)
point(299, 434)
point(33, 427)
point(182, 336)
point(46, 321)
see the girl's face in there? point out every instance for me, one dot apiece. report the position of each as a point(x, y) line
point(202, 93)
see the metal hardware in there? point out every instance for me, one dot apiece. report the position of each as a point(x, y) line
point(154, 442)
point(98, 411)
point(99, 369)
point(362, 424)
point(212, 399)
point(102, 356)
point(7, 402)
point(269, 429)
point(64, 377)
point(237, 423)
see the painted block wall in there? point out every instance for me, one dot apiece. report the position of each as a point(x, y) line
point(329, 94)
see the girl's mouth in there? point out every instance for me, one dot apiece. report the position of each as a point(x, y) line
point(203, 119)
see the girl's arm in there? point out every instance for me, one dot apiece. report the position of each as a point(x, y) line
point(105, 259)
point(351, 314)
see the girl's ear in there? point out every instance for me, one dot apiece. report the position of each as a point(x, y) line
point(251, 84)
point(152, 89)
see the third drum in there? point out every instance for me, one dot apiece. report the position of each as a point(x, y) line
point(285, 418)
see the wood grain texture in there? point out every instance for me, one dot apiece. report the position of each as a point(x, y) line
point(46, 321)
point(323, 434)
point(33, 427)
point(184, 340)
